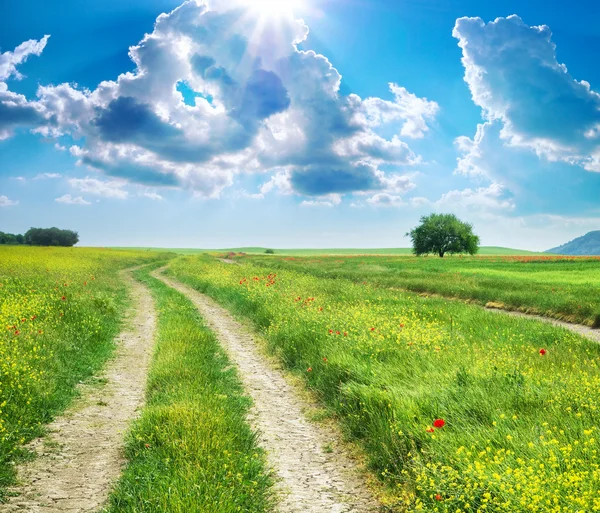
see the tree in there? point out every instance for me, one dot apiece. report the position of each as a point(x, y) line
point(443, 233)
point(51, 237)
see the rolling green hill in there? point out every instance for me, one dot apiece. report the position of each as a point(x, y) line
point(484, 251)
point(587, 245)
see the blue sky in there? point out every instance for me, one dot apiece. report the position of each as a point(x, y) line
point(337, 131)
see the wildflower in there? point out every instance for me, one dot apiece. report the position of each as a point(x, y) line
point(345, 333)
point(309, 369)
point(402, 325)
point(372, 329)
point(543, 352)
point(147, 446)
point(330, 332)
point(63, 298)
point(439, 423)
point(325, 360)
point(17, 332)
point(438, 497)
point(430, 429)
point(337, 333)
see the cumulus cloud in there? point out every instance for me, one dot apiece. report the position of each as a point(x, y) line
point(494, 198)
point(255, 103)
point(5, 202)
point(111, 189)
point(328, 201)
point(385, 200)
point(70, 200)
point(15, 110)
point(513, 75)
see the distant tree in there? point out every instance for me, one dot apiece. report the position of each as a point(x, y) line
point(51, 237)
point(443, 233)
point(9, 238)
point(20, 239)
point(270, 252)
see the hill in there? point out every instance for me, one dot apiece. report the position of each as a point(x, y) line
point(587, 245)
point(484, 251)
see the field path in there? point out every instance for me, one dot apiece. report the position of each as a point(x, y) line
point(312, 478)
point(83, 453)
point(580, 329)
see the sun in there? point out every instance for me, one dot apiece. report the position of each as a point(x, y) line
point(275, 8)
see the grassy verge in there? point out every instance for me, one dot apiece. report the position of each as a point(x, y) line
point(559, 287)
point(60, 309)
point(515, 400)
point(192, 450)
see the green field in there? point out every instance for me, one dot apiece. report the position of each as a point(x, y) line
point(485, 250)
point(518, 398)
point(563, 288)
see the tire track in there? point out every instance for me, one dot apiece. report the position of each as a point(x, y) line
point(83, 453)
point(312, 479)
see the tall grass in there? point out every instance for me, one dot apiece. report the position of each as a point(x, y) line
point(518, 399)
point(60, 310)
point(564, 288)
point(192, 450)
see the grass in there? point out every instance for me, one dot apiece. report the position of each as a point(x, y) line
point(559, 287)
point(484, 251)
point(520, 424)
point(60, 310)
point(191, 451)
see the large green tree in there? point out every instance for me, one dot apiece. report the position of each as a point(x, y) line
point(443, 233)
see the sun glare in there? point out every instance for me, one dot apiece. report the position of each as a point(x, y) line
point(275, 8)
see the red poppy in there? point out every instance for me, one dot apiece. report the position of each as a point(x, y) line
point(17, 332)
point(345, 333)
point(372, 329)
point(63, 298)
point(439, 423)
point(325, 360)
point(85, 282)
point(430, 430)
point(320, 309)
point(402, 325)
point(309, 369)
point(337, 333)
point(438, 497)
point(330, 331)
point(147, 446)
point(543, 352)
point(40, 332)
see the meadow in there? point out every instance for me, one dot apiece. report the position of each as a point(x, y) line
point(561, 287)
point(456, 408)
point(60, 310)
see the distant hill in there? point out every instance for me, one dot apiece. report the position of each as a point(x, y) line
point(587, 245)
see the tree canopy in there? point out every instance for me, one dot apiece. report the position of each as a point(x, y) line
point(51, 237)
point(443, 233)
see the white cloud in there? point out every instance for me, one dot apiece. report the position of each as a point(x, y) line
point(514, 76)
point(47, 176)
point(111, 189)
point(69, 200)
point(5, 202)
point(385, 200)
point(495, 197)
point(152, 196)
point(329, 201)
point(21, 179)
point(261, 106)
point(15, 110)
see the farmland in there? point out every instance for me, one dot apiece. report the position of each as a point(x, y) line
point(60, 310)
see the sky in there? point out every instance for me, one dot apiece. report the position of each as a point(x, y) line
point(308, 123)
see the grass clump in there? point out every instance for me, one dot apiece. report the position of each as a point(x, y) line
point(458, 409)
point(191, 451)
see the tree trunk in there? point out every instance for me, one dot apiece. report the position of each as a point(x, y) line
point(441, 254)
